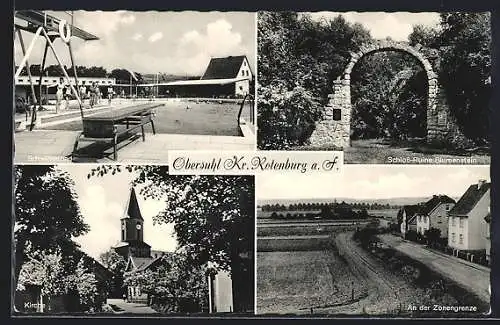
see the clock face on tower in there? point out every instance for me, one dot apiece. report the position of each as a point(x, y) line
point(138, 226)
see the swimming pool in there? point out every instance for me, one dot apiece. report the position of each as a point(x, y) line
point(189, 117)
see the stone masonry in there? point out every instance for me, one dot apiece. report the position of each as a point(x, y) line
point(331, 132)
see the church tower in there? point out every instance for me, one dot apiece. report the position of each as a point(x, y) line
point(132, 231)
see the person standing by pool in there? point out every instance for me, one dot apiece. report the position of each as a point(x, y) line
point(110, 94)
point(60, 92)
point(67, 97)
point(83, 91)
point(99, 94)
point(93, 94)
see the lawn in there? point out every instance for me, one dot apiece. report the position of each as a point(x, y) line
point(294, 282)
point(202, 118)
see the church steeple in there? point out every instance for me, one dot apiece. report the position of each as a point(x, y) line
point(132, 221)
point(132, 210)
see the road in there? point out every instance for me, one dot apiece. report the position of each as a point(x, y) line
point(131, 307)
point(475, 278)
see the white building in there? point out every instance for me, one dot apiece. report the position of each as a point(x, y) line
point(466, 220)
point(434, 214)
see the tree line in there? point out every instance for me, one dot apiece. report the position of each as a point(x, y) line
point(318, 206)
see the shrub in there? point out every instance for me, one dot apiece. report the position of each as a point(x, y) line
point(286, 118)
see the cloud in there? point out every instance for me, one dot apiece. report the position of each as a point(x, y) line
point(137, 37)
point(196, 48)
point(127, 19)
point(155, 37)
point(102, 215)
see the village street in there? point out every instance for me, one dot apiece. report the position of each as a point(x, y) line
point(475, 278)
point(123, 307)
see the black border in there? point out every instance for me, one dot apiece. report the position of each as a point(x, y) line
point(257, 5)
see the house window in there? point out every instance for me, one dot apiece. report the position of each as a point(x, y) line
point(244, 63)
point(452, 237)
point(447, 207)
point(453, 221)
point(461, 239)
point(461, 222)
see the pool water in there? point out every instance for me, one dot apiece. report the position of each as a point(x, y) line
point(189, 118)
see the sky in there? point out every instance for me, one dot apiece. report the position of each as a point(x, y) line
point(102, 202)
point(179, 43)
point(397, 25)
point(376, 182)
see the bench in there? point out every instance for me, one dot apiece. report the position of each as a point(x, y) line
point(105, 127)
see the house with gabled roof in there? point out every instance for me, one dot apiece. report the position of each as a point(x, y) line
point(434, 214)
point(224, 77)
point(407, 218)
point(466, 220)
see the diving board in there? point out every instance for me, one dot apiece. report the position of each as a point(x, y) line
point(36, 18)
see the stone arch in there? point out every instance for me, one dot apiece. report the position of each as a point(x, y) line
point(334, 128)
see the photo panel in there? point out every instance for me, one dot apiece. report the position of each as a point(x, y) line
point(128, 86)
point(384, 241)
point(383, 87)
point(132, 240)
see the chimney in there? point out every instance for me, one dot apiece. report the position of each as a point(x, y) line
point(480, 183)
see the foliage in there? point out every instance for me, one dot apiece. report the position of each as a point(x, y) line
point(286, 117)
point(47, 215)
point(48, 271)
point(411, 235)
point(85, 283)
point(298, 59)
point(213, 216)
point(389, 97)
point(366, 236)
point(174, 279)
point(113, 261)
point(432, 236)
point(466, 69)
point(43, 269)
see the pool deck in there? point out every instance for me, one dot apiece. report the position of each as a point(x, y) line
point(55, 146)
point(47, 146)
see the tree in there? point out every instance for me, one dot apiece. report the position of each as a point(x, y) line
point(432, 236)
point(120, 75)
point(113, 261)
point(43, 269)
point(298, 59)
point(116, 264)
point(175, 280)
point(46, 215)
point(466, 70)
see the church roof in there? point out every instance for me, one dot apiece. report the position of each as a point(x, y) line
point(144, 263)
point(132, 210)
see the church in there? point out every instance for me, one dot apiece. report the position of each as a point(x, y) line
point(141, 257)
